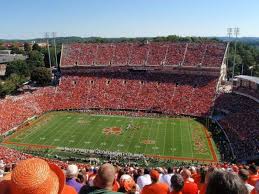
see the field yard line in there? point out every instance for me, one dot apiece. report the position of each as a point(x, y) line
point(119, 137)
point(53, 128)
point(125, 136)
point(165, 137)
point(38, 135)
point(86, 135)
point(114, 140)
point(148, 137)
point(106, 137)
point(56, 126)
point(173, 137)
point(189, 128)
point(139, 138)
point(181, 138)
point(93, 135)
point(33, 129)
point(65, 133)
point(157, 130)
point(47, 134)
point(81, 139)
point(132, 135)
point(101, 136)
point(29, 131)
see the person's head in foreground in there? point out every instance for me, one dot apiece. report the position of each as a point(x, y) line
point(72, 171)
point(154, 175)
point(177, 183)
point(222, 182)
point(243, 174)
point(105, 177)
point(103, 181)
point(127, 184)
point(186, 174)
point(253, 169)
point(36, 176)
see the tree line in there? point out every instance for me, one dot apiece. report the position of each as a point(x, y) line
point(34, 68)
point(247, 59)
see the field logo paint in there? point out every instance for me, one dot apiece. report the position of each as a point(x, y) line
point(148, 142)
point(112, 131)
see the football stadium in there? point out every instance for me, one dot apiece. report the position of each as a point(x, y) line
point(146, 99)
point(135, 115)
point(135, 98)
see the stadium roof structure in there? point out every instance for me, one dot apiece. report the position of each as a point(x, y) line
point(249, 78)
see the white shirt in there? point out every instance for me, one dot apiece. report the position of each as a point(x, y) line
point(1, 173)
point(143, 181)
point(167, 180)
point(249, 187)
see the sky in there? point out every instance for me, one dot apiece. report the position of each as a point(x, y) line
point(25, 19)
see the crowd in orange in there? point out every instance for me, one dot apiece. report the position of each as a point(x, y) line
point(223, 178)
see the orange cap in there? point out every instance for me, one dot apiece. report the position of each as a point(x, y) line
point(36, 176)
point(154, 174)
point(129, 184)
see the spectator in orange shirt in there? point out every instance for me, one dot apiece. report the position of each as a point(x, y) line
point(177, 184)
point(195, 175)
point(256, 189)
point(253, 175)
point(189, 186)
point(244, 175)
point(202, 184)
point(155, 187)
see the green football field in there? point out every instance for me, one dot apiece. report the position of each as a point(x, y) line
point(179, 138)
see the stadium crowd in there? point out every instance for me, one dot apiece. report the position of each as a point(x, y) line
point(251, 92)
point(153, 92)
point(23, 177)
point(240, 123)
point(139, 54)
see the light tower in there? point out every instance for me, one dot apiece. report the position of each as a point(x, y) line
point(236, 33)
point(55, 48)
point(229, 33)
point(47, 39)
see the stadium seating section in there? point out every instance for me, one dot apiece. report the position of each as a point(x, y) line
point(247, 91)
point(241, 123)
point(165, 93)
point(140, 54)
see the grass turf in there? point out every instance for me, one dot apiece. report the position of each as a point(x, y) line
point(164, 137)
